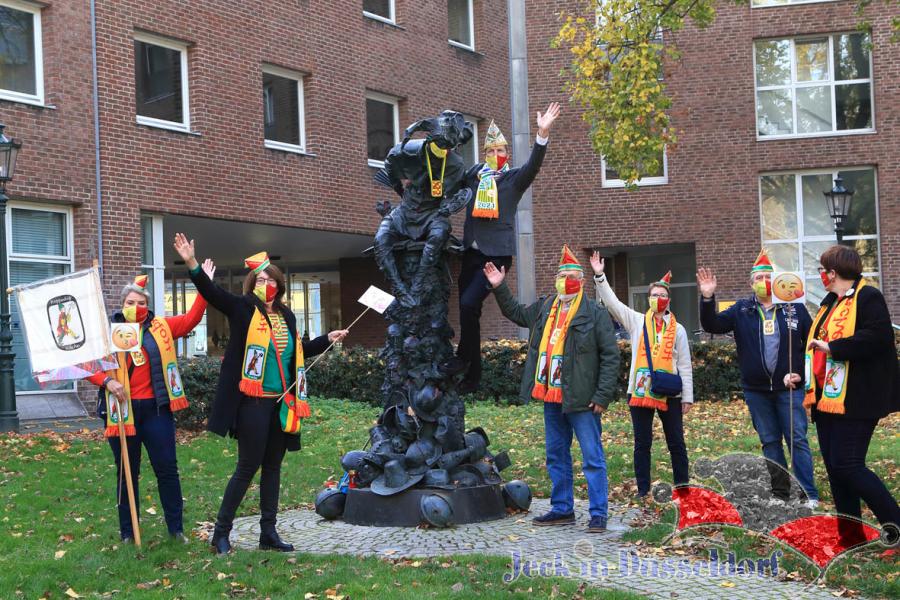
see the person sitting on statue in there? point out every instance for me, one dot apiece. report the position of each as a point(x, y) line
point(148, 398)
point(489, 230)
point(262, 363)
point(574, 391)
point(435, 190)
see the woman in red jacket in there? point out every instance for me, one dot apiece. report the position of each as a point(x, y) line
point(149, 389)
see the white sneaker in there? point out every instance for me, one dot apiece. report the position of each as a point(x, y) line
point(811, 504)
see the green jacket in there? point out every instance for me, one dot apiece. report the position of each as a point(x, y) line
point(590, 356)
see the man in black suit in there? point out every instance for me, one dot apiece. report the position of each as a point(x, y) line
point(489, 232)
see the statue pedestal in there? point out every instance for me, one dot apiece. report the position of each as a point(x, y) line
point(469, 504)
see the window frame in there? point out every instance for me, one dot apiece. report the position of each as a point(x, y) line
point(296, 76)
point(471, 10)
point(68, 260)
point(395, 102)
point(831, 83)
point(789, 3)
point(158, 267)
point(392, 10)
point(182, 48)
point(474, 121)
point(642, 182)
point(801, 238)
point(36, 99)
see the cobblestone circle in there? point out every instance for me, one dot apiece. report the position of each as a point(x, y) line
point(568, 551)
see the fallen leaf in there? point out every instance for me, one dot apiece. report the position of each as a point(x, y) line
point(59, 554)
point(457, 587)
point(72, 593)
point(151, 511)
point(728, 584)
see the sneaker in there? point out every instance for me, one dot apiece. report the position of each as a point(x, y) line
point(554, 518)
point(811, 504)
point(597, 525)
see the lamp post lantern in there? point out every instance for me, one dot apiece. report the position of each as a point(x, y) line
point(837, 200)
point(9, 417)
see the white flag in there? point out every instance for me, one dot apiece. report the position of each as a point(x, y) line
point(64, 320)
point(376, 299)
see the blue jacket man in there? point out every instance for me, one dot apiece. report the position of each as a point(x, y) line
point(771, 342)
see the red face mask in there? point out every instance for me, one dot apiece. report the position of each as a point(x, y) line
point(135, 313)
point(267, 291)
point(825, 281)
point(659, 305)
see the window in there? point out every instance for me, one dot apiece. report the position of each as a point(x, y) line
point(610, 177)
point(21, 60)
point(283, 110)
point(796, 227)
point(461, 23)
point(813, 86)
point(306, 302)
point(764, 3)
point(380, 10)
point(382, 127)
point(152, 259)
point(469, 150)
point(161, 82)
point(40, 247)
point(649, 264)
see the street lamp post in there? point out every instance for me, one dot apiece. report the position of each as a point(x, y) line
point(838, 202)
point(9, 417)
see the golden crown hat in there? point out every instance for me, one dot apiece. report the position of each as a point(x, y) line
point(494, 137)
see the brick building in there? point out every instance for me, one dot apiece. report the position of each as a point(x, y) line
point(770, 102)
point(248, 126)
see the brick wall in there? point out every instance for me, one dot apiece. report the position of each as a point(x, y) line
point(712, 198)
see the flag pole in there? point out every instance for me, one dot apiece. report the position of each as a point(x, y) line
point(280, 398)
point(125, 462)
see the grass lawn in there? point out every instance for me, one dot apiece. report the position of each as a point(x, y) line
point(59, 532)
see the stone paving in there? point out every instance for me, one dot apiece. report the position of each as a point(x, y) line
point(601, 559)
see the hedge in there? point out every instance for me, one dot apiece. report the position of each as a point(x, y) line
point(357, 373)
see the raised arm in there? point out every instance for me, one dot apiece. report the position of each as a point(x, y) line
point(220, 298)
point(526, 174)
point(711, 320)
point(181, 325)
point(628, 318)
point(521, 315)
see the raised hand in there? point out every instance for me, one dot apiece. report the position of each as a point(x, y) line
point(597, 263)
point(494, 276)
point(209, 267)
point(706, 281)
point(545, 120)
point(185, 250)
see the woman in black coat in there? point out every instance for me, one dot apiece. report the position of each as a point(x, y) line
point(254, 376)
point(854, 381)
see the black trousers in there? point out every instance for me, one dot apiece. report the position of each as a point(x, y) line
point(642, 421)
point(473, 289)
point(261, 443)
point(844, 443)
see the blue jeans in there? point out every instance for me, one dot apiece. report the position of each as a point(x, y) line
point(587, 428)
point(155, 429)
point(771, 414)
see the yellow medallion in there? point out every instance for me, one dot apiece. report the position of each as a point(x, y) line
point(138, 358)
point(437, 189)
point(769, 327)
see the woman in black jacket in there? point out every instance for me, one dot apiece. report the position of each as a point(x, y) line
point(261, 364)
point(853, 380)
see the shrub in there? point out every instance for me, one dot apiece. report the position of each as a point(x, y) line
point(199, 376)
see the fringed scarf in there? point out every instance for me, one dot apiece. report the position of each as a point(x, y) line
point(836, 322)
point(662, 346)
point(256, 352)
point(162, 334)
point(487, 198)
point(548, 375)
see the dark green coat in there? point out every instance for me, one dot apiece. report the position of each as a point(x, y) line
point(590, 356)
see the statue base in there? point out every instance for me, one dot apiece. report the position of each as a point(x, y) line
point(469, 505)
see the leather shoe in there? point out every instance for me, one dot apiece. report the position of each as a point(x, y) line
point(271, 541)
point(179, 538)
point(221, 544)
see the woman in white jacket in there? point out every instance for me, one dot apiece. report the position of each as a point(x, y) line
point(670, 352)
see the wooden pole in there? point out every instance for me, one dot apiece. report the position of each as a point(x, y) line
point(125, 463)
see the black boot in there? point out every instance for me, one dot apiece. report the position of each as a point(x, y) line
point(220, 543)
point(271, 541)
